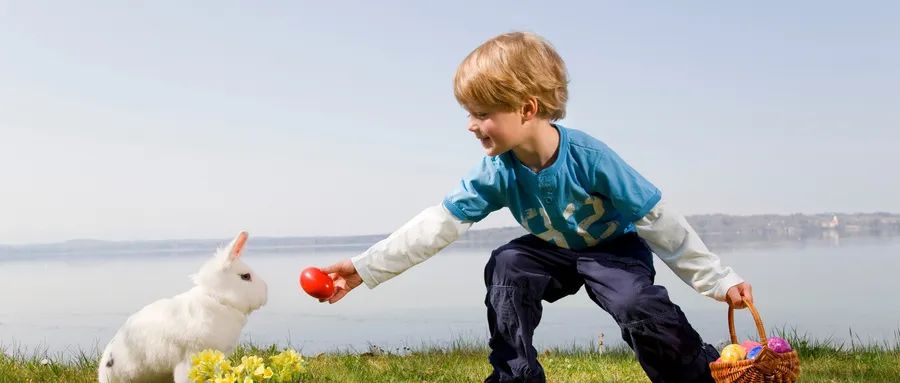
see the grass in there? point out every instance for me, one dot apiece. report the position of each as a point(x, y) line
point(823, 361)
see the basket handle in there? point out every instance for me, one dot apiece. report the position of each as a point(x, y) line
point(759, 324)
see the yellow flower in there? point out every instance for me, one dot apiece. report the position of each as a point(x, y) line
point(197, 376)
point(210, 366)
point(210, 355)
point(287, 366)
point(206, 365)
point(287, 357)
point(252, 362)
point(288, 360)
point(259, 370)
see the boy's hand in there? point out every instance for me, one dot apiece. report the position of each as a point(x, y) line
point(738, 294)
point(345, 279)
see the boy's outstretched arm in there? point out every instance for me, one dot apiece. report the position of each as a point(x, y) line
point(423, 236)
point(676, 243)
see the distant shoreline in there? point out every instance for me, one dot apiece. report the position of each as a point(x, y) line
point(717, 230)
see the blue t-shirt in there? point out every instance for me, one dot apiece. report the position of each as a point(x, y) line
point(588, 195)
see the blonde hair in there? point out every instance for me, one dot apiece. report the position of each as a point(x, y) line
point(505, 71)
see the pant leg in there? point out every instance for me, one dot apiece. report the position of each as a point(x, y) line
point(518, 276)
point(619, 280)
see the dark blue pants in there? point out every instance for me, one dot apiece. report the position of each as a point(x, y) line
point(618, 276)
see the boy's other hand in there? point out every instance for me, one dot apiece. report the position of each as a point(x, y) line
point(345, 279)
point(739, 294)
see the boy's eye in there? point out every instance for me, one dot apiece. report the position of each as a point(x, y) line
point(480, 116)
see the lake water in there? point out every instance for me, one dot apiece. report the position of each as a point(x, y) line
point(823, 289)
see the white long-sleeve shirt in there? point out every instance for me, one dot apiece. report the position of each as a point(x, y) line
point(667, 233)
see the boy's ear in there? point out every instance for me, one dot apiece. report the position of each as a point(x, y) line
point(529, 109)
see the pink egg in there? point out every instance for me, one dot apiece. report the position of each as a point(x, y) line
point(779, 345)
point(749, 344)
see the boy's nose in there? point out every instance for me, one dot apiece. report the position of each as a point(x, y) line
point(473, 127)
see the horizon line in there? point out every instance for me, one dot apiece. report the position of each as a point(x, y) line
point(388, 233)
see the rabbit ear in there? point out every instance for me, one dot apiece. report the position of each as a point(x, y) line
point(233, 251)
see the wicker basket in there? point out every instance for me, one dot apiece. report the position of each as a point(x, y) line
point(768, 366)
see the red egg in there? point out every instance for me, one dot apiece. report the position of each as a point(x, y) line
point(316, 283)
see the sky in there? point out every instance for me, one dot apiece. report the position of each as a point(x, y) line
point(161, 120)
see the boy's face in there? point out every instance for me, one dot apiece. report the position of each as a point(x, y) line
point(498, 131)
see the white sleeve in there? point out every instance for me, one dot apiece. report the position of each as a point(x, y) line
point(677, 244)
point(414, 242)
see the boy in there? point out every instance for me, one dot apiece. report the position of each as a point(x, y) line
point(593, 221)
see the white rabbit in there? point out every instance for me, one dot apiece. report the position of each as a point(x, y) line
point(156, 343)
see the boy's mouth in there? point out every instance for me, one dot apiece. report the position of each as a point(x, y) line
point(485, 141)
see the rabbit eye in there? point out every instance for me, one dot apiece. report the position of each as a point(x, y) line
point(246, 277)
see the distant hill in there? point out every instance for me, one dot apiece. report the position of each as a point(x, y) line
point(717, 230)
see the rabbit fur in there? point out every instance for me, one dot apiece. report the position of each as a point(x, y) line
point(156, 343)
